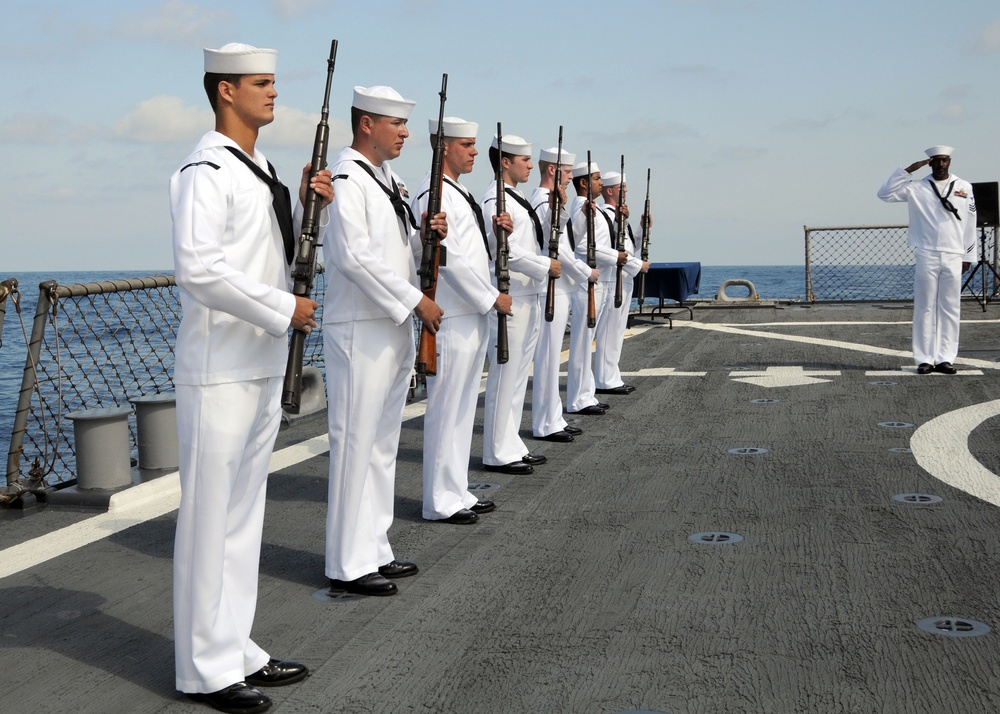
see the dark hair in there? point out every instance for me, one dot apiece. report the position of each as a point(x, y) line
point(212, 80)
point(495, 157)
point(356, 115)
point(578, 184)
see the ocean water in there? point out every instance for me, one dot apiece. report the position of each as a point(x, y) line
point(773, 282)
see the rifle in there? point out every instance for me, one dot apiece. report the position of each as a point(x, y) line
point(503, 254)
point(644, 254)
point(304, 269)
point(554, 231)
point(591, 248)
point(433, 255)
point(620, 240)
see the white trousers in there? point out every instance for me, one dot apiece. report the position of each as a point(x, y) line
point(507, 383)
point(368, 364)
point(937, 306)
point(546, 404)
point(580, 373)
point(451, 412)
point(610, 335)
point(225, 434)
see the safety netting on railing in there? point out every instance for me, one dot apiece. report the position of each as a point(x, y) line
point(875, 263)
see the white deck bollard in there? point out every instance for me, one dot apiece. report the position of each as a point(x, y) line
point(156, 430)
point(102, 447)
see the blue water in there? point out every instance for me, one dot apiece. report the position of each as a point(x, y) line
point(773, 282)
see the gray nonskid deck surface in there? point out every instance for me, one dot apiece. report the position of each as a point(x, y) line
point(583, 591)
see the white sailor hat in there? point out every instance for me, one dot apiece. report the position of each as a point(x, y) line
point(382, 100)
point(612, 178)
point(552, 156)
point(238, 58)
point(513, 145)
point(455, 128)
point(580, 169)
point(939, 151)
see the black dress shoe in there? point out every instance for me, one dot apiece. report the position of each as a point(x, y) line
point(398, 569)
point(534, 459)
point(371, 584)
point(592, 410)
point(278, 673)
point(559, 436)
point(945, 368)
point(573, 430)
point(518, 468)
point(483, 506)
point(924, 368)
point(604, 405)
point(461, 517)
point(239, 698)
point(624, 389)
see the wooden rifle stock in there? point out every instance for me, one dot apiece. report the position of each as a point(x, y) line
point(304, 269)
point(591, 247)
point(550, 290)
point(620, 238)
point(644, 250)
point(432, 254)
point(503, 254)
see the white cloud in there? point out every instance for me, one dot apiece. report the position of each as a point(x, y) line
point(987, 41)
point(47, 128)
point(952, 112)
point(164, 119)
point(173, 20)
point(295, 8)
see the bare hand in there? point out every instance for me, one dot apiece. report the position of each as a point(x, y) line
point(302, 318)
point(562, 197)
point(503, 221)
point(439, 223)
point(645, 266)
point(622, 257)
point(503, 304)
point(322, 184)
point(965, 266)
point(625, 210)
point(555, 268)
point(429, 313)
point(595, 275)
point(916, 165)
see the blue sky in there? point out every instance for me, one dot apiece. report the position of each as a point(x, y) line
point(756, 116)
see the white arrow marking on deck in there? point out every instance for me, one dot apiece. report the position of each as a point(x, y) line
point(941, 447)
point(783, 376)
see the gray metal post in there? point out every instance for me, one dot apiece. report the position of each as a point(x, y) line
point(156, 430)
point(102, 447)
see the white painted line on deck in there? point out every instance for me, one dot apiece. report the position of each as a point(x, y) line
point(911, 371)
point(941, 447)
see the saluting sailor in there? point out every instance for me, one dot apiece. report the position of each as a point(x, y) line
point(611, 328)
point(467, 296)
point(506, 384)
point(368, 342)
point(942, 229)
point(233, 239)
point(547, 420)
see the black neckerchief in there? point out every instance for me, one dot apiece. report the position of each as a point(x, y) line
point(944, 199)
point(476, 209)
point(395, 197)
point(523, 203)
point(281, 200)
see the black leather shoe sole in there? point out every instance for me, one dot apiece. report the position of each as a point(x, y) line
point(398, 569)
point(592, 410)
point(483, 506)
point(278, 673)
point(573, 430)
point(371, 584)
point(561, 437)
point(462, 517)
point(615, 390)
point(239, 698)
point(534, 459)
point(518, 468)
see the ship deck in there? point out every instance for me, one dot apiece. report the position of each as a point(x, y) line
point(756, 529)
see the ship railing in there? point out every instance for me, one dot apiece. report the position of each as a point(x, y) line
point(874, 263)
point(7, 287)
point(96, 345)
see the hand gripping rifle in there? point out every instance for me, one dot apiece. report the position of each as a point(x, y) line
point(304, 268)
point(620, 238)
point(591, 247)
point(433, 254)
point(644, 254)
point(503, 254)
point(554, 231)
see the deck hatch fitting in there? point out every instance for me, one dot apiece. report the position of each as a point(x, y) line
point(883, 383)
point(748, 450)
point(765, 401)
point(896, 424)
point(900, 450)
point(715, 538)
point(917, 498)
point(953, 626)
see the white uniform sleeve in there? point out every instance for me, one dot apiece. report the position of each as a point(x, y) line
point(896, 188)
